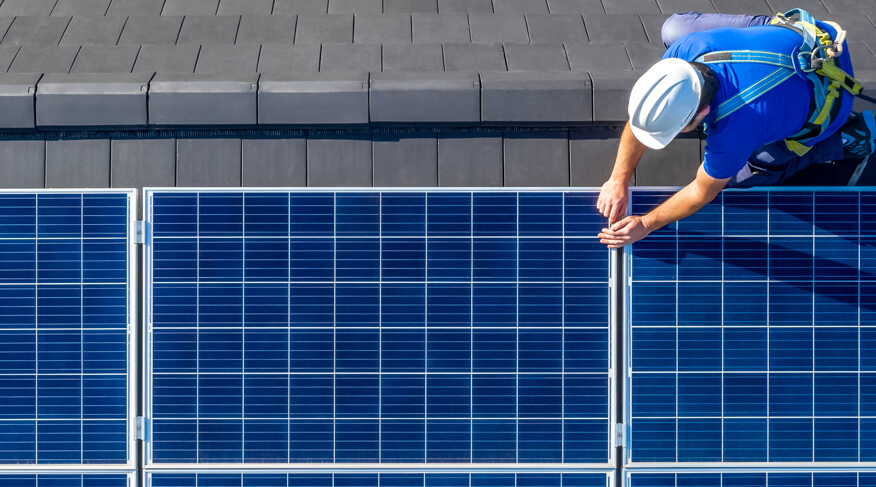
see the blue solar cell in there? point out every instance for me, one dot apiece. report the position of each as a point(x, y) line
point(64, 480)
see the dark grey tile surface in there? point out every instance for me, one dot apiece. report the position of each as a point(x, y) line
point(850, 6)
point(674, 165)
point(653, 26)
point(267, 29)
point(631, 7)
point(33, 8)
point(275, 162)
point(413, 57)
point(425, 97)
point(536, 97)
point(167, 59)
point(614, 28)
point(7, 54)
point(17, 93)
point(643, 55)
point(465, 6)
point(405, 161)
point(135, 7)
point(590, 57)
point(317, 29)
point(203, 99)
point(673, 6)
point(78, 163)
point(410, 6)
point(313, 99)
point(858, 27)
point(536, 57)
point(5, 23)
point(91, 8)
point(142, 30)
point(138, 163)
point(190, 7)
point(350, 57)
point(592, 156)
point(611, 93)
point(92, 100)
point(246, 7)
point(355, 6)
point(744, 7)
point(466, 160)
point(220, 59)
point(105, 59)
point(474, 57)
point(382, 28)
point(520, 6)
point(205, 29)
point(54, 59)
point(85, 31)
point(432, 28)
point(23, 163)
point(867, 78)
point(36, 31)
point(339, 161)
point(814, 7)
point(290, 7)
point(862, 57)
point(281, 58)
point(208, 162)
point(575, 7)
point(536, 158)
point(495, 28)
point(556, 28)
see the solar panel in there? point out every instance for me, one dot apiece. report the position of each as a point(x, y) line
point(751, 330)
point(835, 478)
point(546, 479)
point(66, 289)
point(66, 480)
point(378, 327)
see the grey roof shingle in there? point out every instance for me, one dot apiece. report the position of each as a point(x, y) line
point(301, 58)
point(36, 31)
point(246, 7)
point(474, 57)
point(350, 57)
point(536, 57)
point(381, 28)
point(556, 28)
point(289, 7)
point(520, 6)
point(465, 6)
point(653, 26)
point(744, 7)
point(496, 28)
point(135, 7)
point(190, 7)
point(316, 29)
point(411, 6)
point(151, 30)
point(84, 31)
point(36, 8)
point(430, 28)
point(227, 59)
point(7, 54)
point(207, 29)
point(631, 7)
point(615, 28)
point(425, 97)
point(267, 29)
point(413, 57)
point(105, 59)
point(575, 7)
point(313, 98)
point(167, 59)
point(355, 6)
point(91, 8)
point(672, 6)
point(44, 59)
point(594, 57)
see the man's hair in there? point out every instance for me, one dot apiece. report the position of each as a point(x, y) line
point(710, 84)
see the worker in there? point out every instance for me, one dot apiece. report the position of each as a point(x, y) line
point(761, 121)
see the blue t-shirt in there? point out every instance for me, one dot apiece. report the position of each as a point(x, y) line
point(776, 115)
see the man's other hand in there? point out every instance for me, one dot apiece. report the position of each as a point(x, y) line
point(630, 229)
point(612, 202)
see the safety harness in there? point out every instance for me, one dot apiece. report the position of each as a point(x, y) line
point(813, 60)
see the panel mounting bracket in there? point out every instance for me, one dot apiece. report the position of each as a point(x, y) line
point(141, 232)
point(620, 435)
point(141, 428)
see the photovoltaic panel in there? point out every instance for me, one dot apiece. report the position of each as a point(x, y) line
point(65, 480)
point(378, 326)
point(751, 330)
point(65, 294)
point(754, 479)
point(544, 479)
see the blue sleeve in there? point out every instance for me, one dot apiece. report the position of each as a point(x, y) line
point(725, 154)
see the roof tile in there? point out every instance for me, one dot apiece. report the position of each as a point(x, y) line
point(614, 28)
point(850, 6)
point(862, 57)
point(339, 160)
point(465, 6)
point(643, 55)
point(35, 8)
point(556, 28)
point(467, 160)
point(203, 99)
point(190, 7)
point(288, 7)
point(350, 57)
point(413, 57)
point(222, 59)
point(22, 162)
point(588, 152)
point(92, 8)
point(630, 6)
point(575, 7)
point(266, 29)
point(520, 6)
point(536, 57)
point(674, 165)
point(411, 6)
point(92, 100)
point(536, 97)
point(105, 59)
point(355, 6)
point(275, 162)
point(208, 162)
point(78, 163)
point(7, 54)
point(611, 93)
point(382, 28)
point(151, 30)
point(744, 7)
point(313, 98)
point(36, 31)
point(316, 29)
point(425, 97)
point(588, 57)
point(246, 7)
point(44, 59)
point(301, 58)
point(126, 8)
point(654, 26)
point(673, 6)
point(167, 59)
point(858, 26)
point(209, 29)
point(405, 161)
point(5, 22)
point(474, 57)
point(84, 31)
point(143, 162)
point(814, 7)
point(498, 28)
point(430, 28)
point(550, 149)
point(18, 94)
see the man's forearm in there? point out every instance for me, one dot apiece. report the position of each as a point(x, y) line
point(682, 204)
point(629, 152)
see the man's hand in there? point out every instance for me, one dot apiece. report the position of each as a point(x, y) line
point(630, 229)
point(612, 202)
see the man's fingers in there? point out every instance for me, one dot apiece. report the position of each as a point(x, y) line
point(617, 212)
point(622, 226)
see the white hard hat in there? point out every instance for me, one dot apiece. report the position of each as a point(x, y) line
point(664, 101)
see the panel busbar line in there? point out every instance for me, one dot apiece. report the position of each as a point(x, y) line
point(66, 309)
point(375, 327)
point(752, 331)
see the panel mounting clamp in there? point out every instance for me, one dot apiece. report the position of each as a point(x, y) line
point(141, 232)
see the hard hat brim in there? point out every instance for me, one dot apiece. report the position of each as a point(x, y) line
point(653, 140)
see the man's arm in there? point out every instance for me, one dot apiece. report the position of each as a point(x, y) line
point(612, 202)
point(682, 204)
